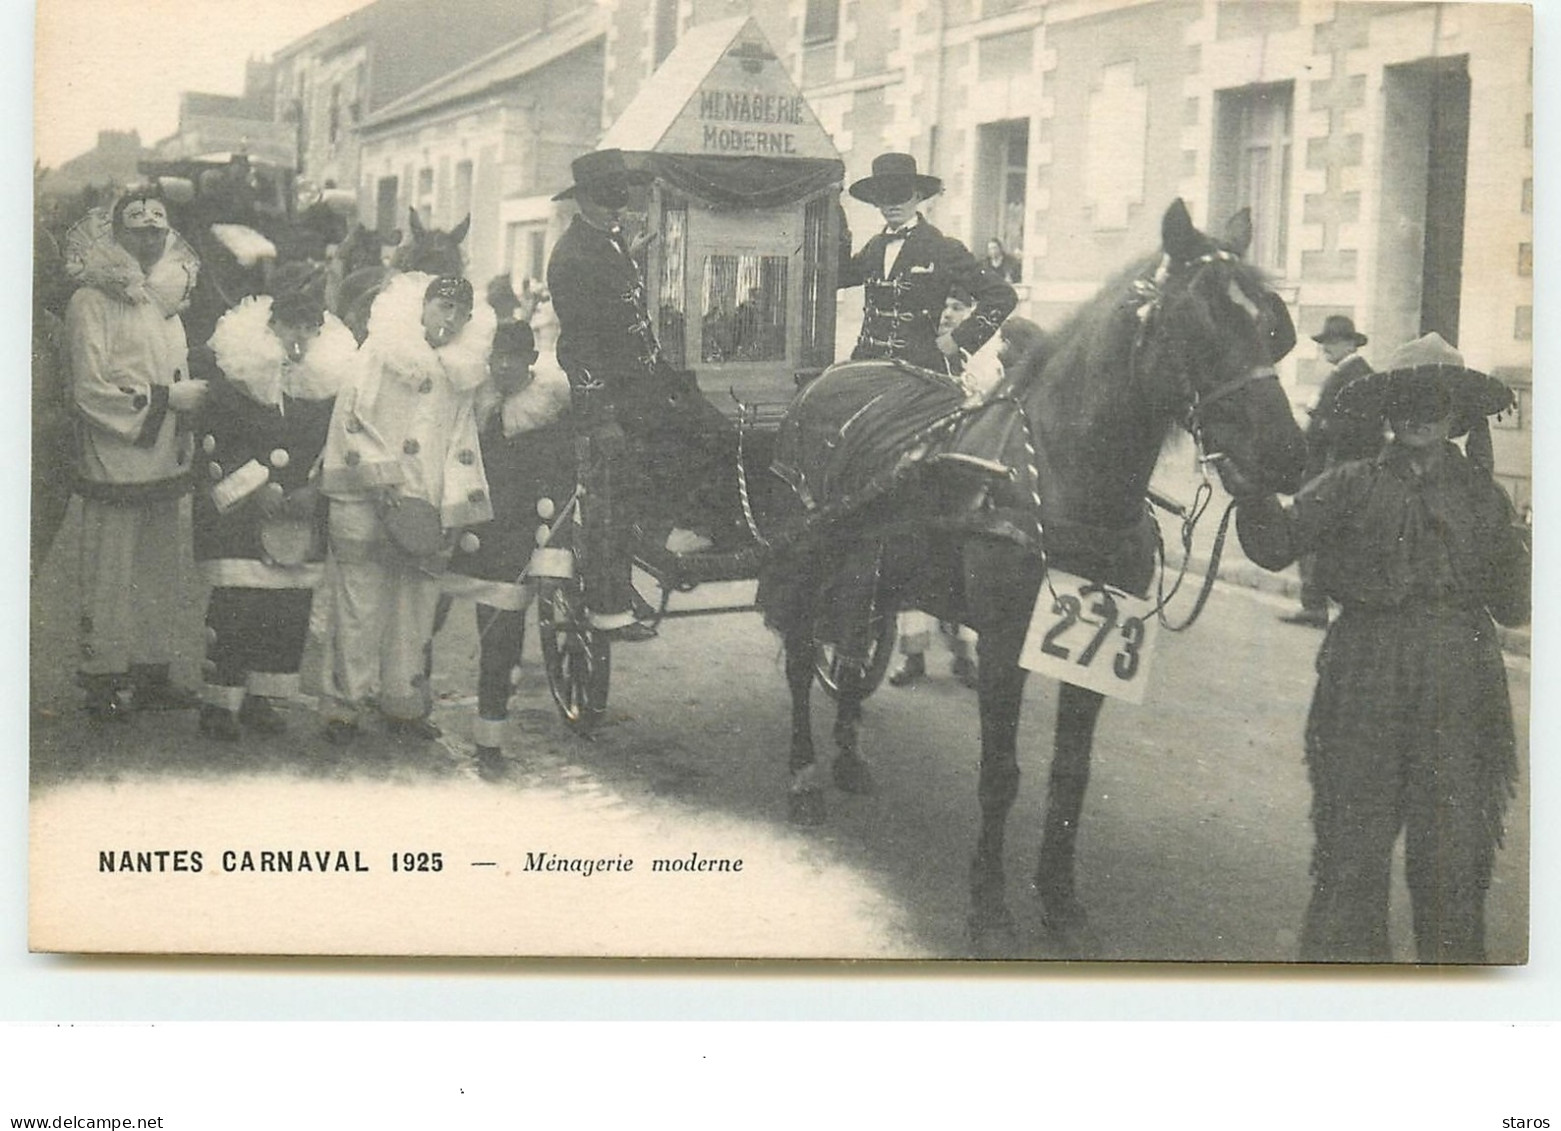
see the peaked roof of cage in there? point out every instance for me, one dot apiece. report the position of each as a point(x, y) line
point(722, 91)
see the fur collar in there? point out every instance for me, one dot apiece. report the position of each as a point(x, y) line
point(94, 258)
point(250, 355)
point(396, 341)
point(542, 402)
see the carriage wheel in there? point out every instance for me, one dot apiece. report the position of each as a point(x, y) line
point(578, 659)
point(828, 667)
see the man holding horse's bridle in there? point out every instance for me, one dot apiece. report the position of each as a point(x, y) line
point(907, 271)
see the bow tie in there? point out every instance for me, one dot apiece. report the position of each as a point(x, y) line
point(897, 233)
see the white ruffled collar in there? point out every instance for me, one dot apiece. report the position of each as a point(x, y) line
point(94, 258)
point(396, 335)
point(250, 355)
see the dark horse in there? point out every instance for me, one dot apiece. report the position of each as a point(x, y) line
point(1189, 337)
point(431, 250)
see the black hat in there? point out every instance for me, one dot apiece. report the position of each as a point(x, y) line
point(894, 180)
point(451, 287)
point(604, 177)
point(515, 338)
point(298, 294)
point(1423, 380)
point(1340, 328)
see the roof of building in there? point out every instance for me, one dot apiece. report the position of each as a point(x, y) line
point(720, 88)
point(514, 60)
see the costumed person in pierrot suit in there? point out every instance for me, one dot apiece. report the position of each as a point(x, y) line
point(132, 395)
point(907, 271)
point(403, 472)
point(528, 453)
point(1333, 437)
point(278, 362)
point(656, 446)
point(1410, 726)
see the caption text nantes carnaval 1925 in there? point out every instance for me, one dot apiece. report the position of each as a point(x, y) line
point(331, 860)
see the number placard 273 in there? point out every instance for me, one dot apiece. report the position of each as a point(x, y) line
point(1091, 635)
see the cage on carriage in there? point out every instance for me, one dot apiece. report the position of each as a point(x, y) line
point(742, 203)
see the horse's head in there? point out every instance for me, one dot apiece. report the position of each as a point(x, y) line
point(433, 250)
point(1213, 331)
point(365, 247)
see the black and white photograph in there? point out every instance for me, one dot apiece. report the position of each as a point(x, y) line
point(973, 480)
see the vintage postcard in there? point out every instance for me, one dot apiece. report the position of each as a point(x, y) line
point(900, 479)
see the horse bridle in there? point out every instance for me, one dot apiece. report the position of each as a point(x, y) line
point(1150, 292)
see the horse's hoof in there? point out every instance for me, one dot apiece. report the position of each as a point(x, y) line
point(807, 807)
point(1060, 913)
point(1064, 919)
point(990, 931)
point(852, 775)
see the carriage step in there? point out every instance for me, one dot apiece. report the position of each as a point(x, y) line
point(679, 571)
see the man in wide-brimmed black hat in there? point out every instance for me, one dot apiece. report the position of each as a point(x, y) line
point(1410, 728)
point(656, 444)
point(1332, 438)
point(908, 269)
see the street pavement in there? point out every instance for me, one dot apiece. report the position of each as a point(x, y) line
point(1194, 842)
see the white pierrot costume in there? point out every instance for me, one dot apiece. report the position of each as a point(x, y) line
point(408, 421)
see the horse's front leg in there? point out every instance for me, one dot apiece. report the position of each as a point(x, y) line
point(1077, 712)
point(851, 771)
point(1001, 690)
point(805, 794)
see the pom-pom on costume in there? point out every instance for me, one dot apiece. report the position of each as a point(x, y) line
point(262, 434)
point(127, 350)
point(528, 453)
point(406, 431)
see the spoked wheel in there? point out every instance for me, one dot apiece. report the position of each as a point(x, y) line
point(830, 668)
point(578, 659)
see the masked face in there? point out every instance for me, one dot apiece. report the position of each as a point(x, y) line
point(510, 370)
point(899, 214)
point(295, 337)
point(442, 319)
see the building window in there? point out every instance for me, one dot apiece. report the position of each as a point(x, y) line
point(1252, 166)
point(385, 197)
point(1525, 259)
point(666, 31)
point(425, 197)
point(525, 253)
point(463, 191)
point(1001, 178)
point(822, 23)
point(333, 115)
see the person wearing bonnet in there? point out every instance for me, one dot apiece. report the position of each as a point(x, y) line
point(1410, 727)
point(276, 362)
point(528, 453)
point(404, 474)
point(132, 397)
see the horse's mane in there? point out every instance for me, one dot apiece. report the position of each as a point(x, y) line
point(1082, 365)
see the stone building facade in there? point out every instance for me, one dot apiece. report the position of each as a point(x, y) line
point(1385, 149)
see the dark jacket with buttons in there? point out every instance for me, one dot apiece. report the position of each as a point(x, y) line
point(902, 310)
point(261, 411)
point(606, 344)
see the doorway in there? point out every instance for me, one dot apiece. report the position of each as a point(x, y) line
point(1425, 165)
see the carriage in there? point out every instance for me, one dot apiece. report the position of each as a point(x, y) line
point(742, 273)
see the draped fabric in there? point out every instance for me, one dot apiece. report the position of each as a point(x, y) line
point(745, 182)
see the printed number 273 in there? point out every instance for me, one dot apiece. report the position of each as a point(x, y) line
point(1103, 617)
